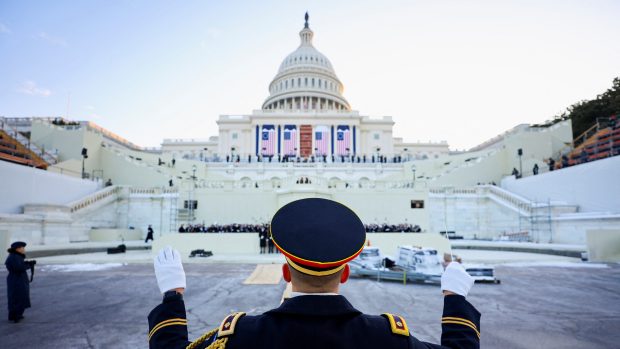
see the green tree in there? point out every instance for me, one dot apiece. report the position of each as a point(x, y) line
point(584, 113)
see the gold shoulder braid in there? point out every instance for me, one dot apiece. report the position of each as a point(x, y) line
point(201, 340)
point(226, 329)
point(220, 343)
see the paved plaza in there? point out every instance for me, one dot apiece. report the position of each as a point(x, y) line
point(105, 305)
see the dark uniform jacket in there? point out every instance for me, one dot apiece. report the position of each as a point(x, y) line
point(17, 283)
point(313, 322)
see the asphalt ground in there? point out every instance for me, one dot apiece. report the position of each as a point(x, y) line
point(533, 307)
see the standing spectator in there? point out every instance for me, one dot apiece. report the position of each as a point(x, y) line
point(583, 157)
point(262, 236)
point(515, 172)
point(270, 244)
point(18, 285)
point(170, 184)
point(551, 164)
point(535, 169)
point(174, 161)
point(564, 161)
point(149, 234)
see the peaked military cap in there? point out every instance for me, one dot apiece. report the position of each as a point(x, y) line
point(317, 236)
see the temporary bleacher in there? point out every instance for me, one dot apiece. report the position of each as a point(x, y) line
point(16, 135)
point(602, 140)
point(13, 151)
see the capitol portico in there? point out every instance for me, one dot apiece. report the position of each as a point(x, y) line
point(305, 115)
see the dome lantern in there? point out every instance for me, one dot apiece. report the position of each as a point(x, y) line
point(306, 80)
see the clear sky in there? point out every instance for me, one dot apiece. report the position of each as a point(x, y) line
point(460, 71)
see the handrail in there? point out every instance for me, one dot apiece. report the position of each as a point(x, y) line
point(93, 198)
point(585, 135)
point(115, 190)
point(516, 201)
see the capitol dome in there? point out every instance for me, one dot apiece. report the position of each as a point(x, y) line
point(306, 80)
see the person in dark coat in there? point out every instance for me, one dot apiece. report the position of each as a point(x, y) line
point(270, 245)
point(17, 282)
point(149, 234)
point(551, 164)
point(263, 241)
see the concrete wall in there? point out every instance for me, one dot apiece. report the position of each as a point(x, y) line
point(114, 234)
point(388, 206)
point(59, 224)
point(593, 186)
point(253, 205)
point(472, 216)
point(604, 245)
point(69, 141)
point(122, 170)
point(246, 243)
point(478, 214)
point(22, 185)
point(141, 210)
point(573, 229)
point(494, 163)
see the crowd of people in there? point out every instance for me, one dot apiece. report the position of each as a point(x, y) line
point(393, 228)
point(263, 229)
point(236, 158)
point(303, 180)
point(62, 122)
point(224, 228)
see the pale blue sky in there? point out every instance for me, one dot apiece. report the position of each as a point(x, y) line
point(461, 71)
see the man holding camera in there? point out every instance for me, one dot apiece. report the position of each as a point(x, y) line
point(18, 284)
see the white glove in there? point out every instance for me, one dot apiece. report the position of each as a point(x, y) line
point(169, 270)
point(455, 279)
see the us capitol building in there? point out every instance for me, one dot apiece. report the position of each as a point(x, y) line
point(305, 115)
point(305, 141)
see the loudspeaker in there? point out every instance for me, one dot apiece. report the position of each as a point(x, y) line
point(520, 152)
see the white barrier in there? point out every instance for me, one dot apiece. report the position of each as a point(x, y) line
point(114, 234)
point(225, 243)
point(603, 245)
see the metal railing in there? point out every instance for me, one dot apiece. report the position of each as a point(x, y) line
point(6, 124)
point(94, 198)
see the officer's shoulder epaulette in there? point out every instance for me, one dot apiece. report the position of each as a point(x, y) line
point(397, 324)
point(227, 327)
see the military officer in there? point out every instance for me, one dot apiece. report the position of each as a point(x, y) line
point(317, 237)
